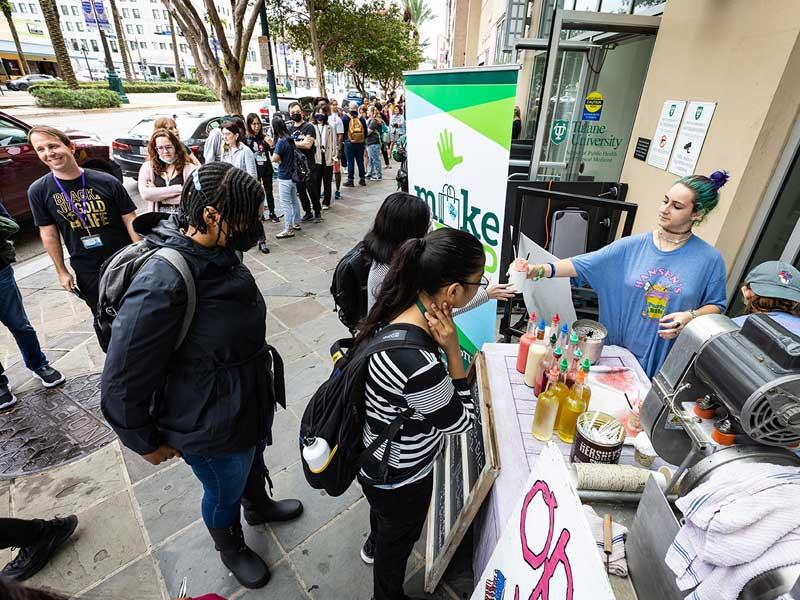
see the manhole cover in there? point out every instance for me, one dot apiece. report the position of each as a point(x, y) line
point(50, 427)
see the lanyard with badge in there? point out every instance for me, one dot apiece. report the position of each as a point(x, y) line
point(89, 241)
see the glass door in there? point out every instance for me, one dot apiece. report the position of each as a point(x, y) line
point(589, 83)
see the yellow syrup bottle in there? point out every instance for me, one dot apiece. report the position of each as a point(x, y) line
point(574, 405)
point(560, 388)
point(544, 419)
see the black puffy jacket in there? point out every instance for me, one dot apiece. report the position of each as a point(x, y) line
point(213, 395)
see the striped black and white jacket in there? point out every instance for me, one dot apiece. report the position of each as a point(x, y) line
point(411, 378)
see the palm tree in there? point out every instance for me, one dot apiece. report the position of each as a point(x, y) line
point(51, 19)
point(5, 6)
point(417, 13)
point(175, 49)
point(121, 42)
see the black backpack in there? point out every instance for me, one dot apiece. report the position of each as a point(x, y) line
point(301, 170)
point(336, 411)
point(116, 275)
point(349, 287)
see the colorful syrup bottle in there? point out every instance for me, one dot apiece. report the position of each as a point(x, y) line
point(586, 391)
point(541, 376)
point(563, 337)
point(544, 417)
point(573, 345)
point(555, 359)
point(536, 354)
point(560, 388)
point(554, 324)
point(574, 367)
point(525, 342)
point(572, 407)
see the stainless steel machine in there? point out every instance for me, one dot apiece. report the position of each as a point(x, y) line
point(723, 395)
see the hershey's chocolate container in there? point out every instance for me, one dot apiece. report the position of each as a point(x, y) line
point(586, 450)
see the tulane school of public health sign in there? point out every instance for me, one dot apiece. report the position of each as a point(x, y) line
point(459, 137)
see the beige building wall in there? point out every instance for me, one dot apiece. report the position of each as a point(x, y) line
point(464, 31)
point(744, 55)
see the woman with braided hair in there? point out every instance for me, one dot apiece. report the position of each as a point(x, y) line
point(650, 286)
point(211, 400)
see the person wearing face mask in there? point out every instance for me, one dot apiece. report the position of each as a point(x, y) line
point(304, 135)
point(327, 154)
point(355, 134)
point(650, 286)
point(162, 175)
point(211, 401)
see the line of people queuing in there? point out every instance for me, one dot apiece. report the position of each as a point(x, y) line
point(212, 400)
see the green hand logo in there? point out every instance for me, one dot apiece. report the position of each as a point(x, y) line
point(445, 146)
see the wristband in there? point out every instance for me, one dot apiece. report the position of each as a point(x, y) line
point(552, 270)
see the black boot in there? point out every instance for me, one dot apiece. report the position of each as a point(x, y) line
point(247, 566)
point(259, 507)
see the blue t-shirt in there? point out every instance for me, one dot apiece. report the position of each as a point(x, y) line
point(788, 321)
point(637, 284)
point(285, 149)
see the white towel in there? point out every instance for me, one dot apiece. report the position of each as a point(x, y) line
point(740, 523)
point(617, 565)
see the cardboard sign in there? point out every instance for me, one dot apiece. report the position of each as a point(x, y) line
point(664, 137)
point(691, 137)
point(547, 550)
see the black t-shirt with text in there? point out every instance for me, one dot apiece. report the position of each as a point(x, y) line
point(106, 202)
point(305, 129)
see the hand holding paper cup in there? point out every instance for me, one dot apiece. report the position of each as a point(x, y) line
point(518, 273)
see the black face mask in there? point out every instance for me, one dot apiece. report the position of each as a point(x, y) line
point(353, 113)
point(297, 117)
point(321, 118)
point(244, 240)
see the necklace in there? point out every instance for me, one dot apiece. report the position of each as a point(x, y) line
point(675, 241)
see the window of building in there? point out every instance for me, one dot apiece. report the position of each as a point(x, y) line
point(34, 10)
point(79, 26)
point(67, 24)
point(136, 14)
point(75, 45)
point(22, 8)
point(129, 28)
point(114, 47)
point(158, 28)
point(498, 42)
point(74, 11)
point(156, 14)
point(133, 44)
point(166, 14)
point(171, 47)
point(126, 13)
point(251, 56)
point(162, 46)
point(143, 45)
point(140, 30)
point(64, 10)
point(94, 46)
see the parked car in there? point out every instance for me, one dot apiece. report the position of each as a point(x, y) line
point(307, 102)
point(130, 150)
point(23, 83)
point(354, 96)
point(20, 166)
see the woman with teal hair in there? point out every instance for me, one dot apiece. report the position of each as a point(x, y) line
point(651, 285)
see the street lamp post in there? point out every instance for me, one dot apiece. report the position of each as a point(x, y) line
point(86, 58)
point(114, 82)
point(273, 87)
point(142, 62)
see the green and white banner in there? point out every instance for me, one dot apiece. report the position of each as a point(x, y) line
point(459, 137)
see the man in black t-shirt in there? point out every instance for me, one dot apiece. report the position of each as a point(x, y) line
point(90, 210)
point(305, 137)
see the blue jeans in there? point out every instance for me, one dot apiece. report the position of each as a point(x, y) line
point(287, 194)
point(355, 158)
point(224, 478)
point(12, 315)
point(375, 165)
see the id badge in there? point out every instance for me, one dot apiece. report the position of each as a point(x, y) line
point(90, 242)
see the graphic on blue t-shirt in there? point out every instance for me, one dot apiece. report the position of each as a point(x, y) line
point(658, 285)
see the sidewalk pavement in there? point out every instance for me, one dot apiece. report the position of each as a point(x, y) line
point(140, 530)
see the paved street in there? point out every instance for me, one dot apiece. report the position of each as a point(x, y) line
point(140, 526)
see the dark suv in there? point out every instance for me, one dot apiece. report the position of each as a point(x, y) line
point(20, 166)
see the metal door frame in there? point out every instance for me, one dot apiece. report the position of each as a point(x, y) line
point(577, 20)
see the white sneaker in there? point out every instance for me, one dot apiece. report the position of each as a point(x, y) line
point(7, 399)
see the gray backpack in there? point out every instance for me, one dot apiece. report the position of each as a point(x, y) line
point(116, 276)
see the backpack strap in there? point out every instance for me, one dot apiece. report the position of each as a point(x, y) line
point(178, 262)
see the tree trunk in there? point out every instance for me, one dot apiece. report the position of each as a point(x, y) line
point(305, 68)
point(360, 84)
point(57, 40)
point(121, 42)
point(175, 54)
point(23, 65)
point(318, 62)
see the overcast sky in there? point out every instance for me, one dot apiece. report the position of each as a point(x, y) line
point(435, 27)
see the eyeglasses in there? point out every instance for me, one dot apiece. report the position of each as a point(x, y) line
point(484, 282)
point(165, 148)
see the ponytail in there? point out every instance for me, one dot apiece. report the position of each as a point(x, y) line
point(426, 264)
